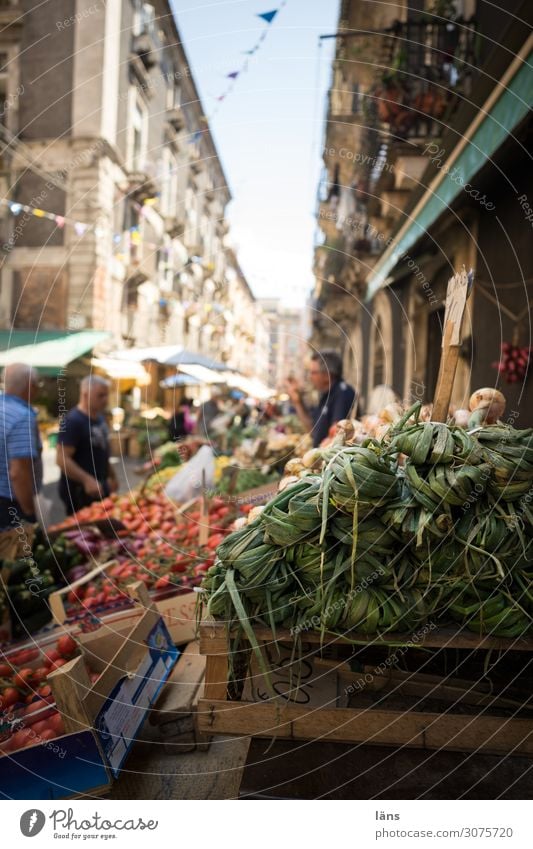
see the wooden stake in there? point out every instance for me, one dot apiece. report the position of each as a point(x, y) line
point(458, 290)
point(204, 515)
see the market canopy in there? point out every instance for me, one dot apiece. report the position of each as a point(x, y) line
point(168, 355)
point(122, 370)
point(54, 354)
point(179, 380)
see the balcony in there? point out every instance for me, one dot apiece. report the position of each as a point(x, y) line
point(425, 66)
point(176, 118)
point(141, 186)
point(144, 46)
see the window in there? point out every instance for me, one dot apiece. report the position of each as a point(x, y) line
point(169, 183)
point(173, 100)
point(138, 131)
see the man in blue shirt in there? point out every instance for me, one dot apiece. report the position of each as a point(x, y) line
point(337, 399)
point(20, 451)
point(83, 448)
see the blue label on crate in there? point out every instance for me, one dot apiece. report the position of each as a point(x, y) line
point(126, 707)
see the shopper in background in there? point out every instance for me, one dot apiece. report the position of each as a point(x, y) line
point(83, 448)
point(21, 471)
point(337, 398)
point(207, 413)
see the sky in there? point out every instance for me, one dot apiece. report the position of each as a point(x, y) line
point(269, 130)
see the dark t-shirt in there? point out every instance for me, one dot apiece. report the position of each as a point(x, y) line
point(333, 406)
point(90, 439)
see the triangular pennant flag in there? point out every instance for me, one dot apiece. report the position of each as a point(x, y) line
point(16, 208)
point(221, 97)
point(39, 213)
point(80, 228)
point(60, 221)
point(233, 75)
point(268, 16)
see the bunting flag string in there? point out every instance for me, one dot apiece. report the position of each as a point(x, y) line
point(268, 18)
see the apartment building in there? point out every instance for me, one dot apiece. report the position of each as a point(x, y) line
point(103, 128)
point(425, 169)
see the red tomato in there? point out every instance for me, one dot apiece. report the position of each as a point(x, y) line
point(40, 674)
point(5, 670)
point(47, 734)
point(22, 678)
point(32, 708)
point(200, 569)
point(40, 726)
point(57, 664)
point(163, 582)
point(66, 645)
point(9, 696)
point(50, 656)
point(178, 567)
point(21, 738)
point(56, 723)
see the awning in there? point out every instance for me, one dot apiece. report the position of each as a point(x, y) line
point(52, 356)
point(16, 338)
point(251, 386)
point(168, 355)
point(179, 380)
point(507, 105)
point(203, 374)
point(122, 370)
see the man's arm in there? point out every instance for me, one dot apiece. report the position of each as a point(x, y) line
point(294, 393)
point(67, 464)
point(345, 405)
point(21, 476)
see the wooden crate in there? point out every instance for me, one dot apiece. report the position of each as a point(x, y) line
point(219, 713)
point(175, 714)
point(102, 718)
point(178, 611)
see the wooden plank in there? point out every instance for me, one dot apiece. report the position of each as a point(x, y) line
point(437, 638)
point(70, 684)
point(181, 688)
point(373, 727)
point(216, 676)
point(456, 297)
point(395, 682)
point(213, 637)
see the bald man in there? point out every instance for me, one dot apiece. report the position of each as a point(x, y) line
point(20, 446)
point(83, 449)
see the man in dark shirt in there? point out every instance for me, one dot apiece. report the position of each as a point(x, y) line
point(83, 448)
point(337, 398)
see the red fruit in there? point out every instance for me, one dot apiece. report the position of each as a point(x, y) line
point(56, 723)
point(178, 567)
point(9, 696)
point(47, 734)
point(163, 582)
point(32, 708)
point(57, 664)
point(40, 674)
point(200, 569)
point(5, 670)
point(22, 678)
point(50, 656)
point(44, 690)
point(40, 726)
point(21, 738)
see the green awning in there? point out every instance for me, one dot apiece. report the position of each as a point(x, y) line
point(16, 338)
point(506, 113)
point(52, 355)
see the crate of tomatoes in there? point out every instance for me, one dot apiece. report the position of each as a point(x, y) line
point(167, 548)
point(61, 734)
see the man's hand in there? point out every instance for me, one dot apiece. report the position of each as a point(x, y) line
point(294, 390)
point(112, 483)
point(92, 488)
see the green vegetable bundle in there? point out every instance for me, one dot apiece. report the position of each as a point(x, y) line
point(432, 524)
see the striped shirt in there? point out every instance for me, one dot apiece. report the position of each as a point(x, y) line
point(19, 437)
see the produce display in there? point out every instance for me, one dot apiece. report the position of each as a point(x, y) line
point(429, 523)
point(159, 546)
point(28, 714)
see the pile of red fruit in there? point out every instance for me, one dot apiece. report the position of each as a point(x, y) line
point(514, 362)
point(27, 712)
